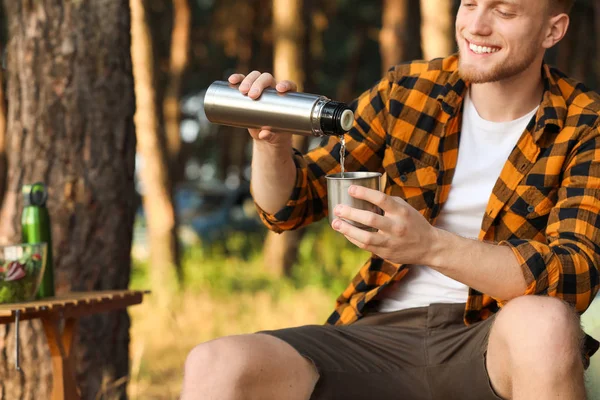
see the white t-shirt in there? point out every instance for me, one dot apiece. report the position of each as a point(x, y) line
point(483, 150)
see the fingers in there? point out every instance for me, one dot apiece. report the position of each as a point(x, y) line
point(385, 202)
point(286, 86)
point(236, 78)
point(357, 243)
point(265, 135)
point(254, 84)
point(361, 238)
point(248, 81)
point(367, 218)
point(262, 134)
point(264, 81)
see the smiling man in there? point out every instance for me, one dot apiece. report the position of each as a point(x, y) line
point(488, 249)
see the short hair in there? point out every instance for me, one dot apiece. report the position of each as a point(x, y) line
point(562, 6)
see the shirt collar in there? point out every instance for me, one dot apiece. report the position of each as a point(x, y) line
point(553, 109)
point(550, 116)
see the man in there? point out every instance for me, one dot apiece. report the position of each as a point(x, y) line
point(492, 145)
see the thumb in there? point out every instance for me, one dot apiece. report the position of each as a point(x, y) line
point(266, 135)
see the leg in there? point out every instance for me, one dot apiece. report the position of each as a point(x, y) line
point(64, 386)
point(376, 359)
point(253, 366)
point(534, 351)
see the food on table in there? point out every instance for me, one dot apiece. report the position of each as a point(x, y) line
point(18, 278)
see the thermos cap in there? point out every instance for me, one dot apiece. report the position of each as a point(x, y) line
point(347, 120)
point(35, 194)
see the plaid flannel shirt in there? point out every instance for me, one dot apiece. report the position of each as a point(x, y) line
point(545, 204)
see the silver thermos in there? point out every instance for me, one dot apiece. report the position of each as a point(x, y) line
point(292, 112)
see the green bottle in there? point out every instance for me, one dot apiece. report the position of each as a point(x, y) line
point(35, 228)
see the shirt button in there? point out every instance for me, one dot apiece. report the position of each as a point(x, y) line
point(530, 209)
point(403, 177)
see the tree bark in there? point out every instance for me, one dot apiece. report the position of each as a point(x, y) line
point(70, 125)
point(154, 171)
point(400, 35)
point(281, 250)
point(437, 29)
point(412, 35)
point(180, 47)
point(288, 31)
point(391, 36)
point(3, 161)
point(596, 5)
point(583, 25)
point(346, 91)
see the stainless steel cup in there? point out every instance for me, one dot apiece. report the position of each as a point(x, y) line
point(337, 193)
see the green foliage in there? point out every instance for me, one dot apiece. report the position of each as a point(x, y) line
point(326, 260)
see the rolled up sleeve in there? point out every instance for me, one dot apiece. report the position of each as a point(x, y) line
point(365, 145)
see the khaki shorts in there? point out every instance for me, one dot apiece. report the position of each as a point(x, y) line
point(424, 353)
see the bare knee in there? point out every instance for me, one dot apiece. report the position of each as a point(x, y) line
point(221, 360)
point(248, 367)
point(539, 328)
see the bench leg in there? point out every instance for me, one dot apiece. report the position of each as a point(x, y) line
point(64, 385)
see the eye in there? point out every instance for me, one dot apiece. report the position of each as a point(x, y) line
point(468, 4)
point(505, 14)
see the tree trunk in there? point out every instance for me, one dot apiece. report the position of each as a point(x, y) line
point(281, 250)
point(154, 172)
point(70, 125)
point(596, 5)
point(288, 31)
point(391, 36)
point(180, 47)
point(400, 35)
point(3, 162)
point(412, 35)
point(583, 25)
point(564, 51)
point(346, 91)
point(437, 29)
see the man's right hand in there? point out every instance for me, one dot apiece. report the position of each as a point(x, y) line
point(273, 168)
point(253, 85)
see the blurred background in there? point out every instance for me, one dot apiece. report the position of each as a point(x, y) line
point(197, 242)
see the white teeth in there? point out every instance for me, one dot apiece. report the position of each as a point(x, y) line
point(482, 49)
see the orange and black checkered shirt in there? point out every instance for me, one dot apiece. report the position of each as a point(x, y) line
point(545, 205)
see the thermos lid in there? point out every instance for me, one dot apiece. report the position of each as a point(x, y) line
point(35, 194)
point(347, 120)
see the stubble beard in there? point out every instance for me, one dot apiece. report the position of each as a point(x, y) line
point(501, 70)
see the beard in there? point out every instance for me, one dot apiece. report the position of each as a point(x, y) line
point(501, 70)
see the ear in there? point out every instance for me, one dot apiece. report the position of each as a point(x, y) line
point(557, 29)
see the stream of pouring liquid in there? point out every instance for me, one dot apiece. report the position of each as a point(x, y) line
point(342, 153)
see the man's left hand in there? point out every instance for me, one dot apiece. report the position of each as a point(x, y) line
point(404, 236)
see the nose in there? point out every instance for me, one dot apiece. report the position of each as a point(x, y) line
point(480, 25)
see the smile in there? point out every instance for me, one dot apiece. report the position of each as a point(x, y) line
point(482, 49)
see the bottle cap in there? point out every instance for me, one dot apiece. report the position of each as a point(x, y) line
point(336, 118)
point(347, 120)
point(35, 194)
